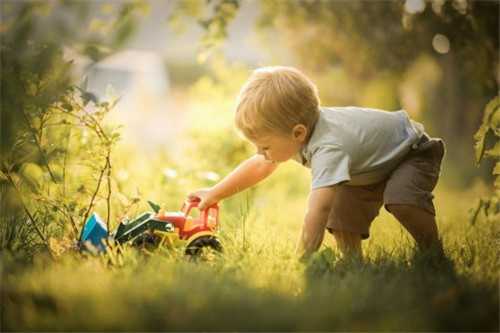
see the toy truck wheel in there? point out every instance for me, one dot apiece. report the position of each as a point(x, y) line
point(198, 246)
point(145, 240)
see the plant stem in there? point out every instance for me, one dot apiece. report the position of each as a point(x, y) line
point(38, 144)
point(65, 213)
point(66, 160)
point(32, 219)
point(108, 198)
point(91, 204)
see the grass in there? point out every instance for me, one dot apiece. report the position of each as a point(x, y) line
point(258, 285)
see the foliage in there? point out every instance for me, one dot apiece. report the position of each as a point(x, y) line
point(45, 187)
point(488, 135)
point(213, 16)
point(368, 37)
point(375, 46)
point(373, 40)
point(488, 146)
point(48, 124)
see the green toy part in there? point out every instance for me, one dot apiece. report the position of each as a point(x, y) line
point(129, 230)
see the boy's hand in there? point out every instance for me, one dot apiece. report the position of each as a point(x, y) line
point(206, 196)
point(313, 230)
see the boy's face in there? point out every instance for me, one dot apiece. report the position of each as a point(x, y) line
point(279, 147)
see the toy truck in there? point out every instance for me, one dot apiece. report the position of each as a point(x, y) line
point(194, 229)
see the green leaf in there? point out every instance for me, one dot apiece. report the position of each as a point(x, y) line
point(496, 170)
point(114, 102)
point(3, 176)
point(495, 122)
point(32, 175)
point(67, 106)
point(495, 151)
point(485, 136)
point(88, 96)
point(154, 206)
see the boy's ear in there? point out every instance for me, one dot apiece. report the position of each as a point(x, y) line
point(299, 132)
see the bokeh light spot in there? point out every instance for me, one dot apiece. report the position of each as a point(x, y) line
point(209, 175)
point(441, 43)
point(169, 173)
point(414, 6)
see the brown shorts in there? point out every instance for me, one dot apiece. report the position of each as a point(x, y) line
point(411, 183)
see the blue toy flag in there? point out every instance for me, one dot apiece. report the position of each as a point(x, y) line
point(94, 231)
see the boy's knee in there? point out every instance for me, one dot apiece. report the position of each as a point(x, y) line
point(408, 211)
point(348, 242)
point(413, 217)
point(420, 223)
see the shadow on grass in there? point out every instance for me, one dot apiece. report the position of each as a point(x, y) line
point(421, 293)
point(394, 293)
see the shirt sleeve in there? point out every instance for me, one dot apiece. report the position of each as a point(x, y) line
point(329, 166)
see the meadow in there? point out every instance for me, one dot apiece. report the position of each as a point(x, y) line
point(257, 284)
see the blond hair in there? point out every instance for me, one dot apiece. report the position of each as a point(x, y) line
point(274, 100)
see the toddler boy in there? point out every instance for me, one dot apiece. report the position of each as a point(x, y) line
point(360, 159)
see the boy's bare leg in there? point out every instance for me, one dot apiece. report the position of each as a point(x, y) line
point(420, 224)
point(348, 243)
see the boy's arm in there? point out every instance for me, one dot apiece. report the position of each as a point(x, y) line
point(313, 229)
point(247, 174)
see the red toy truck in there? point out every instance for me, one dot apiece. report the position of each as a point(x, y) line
point(192, 228)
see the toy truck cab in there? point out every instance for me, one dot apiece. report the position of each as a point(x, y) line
point(196, 227)
point(196, 221)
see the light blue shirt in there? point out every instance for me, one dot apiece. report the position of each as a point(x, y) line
point(359, 146)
